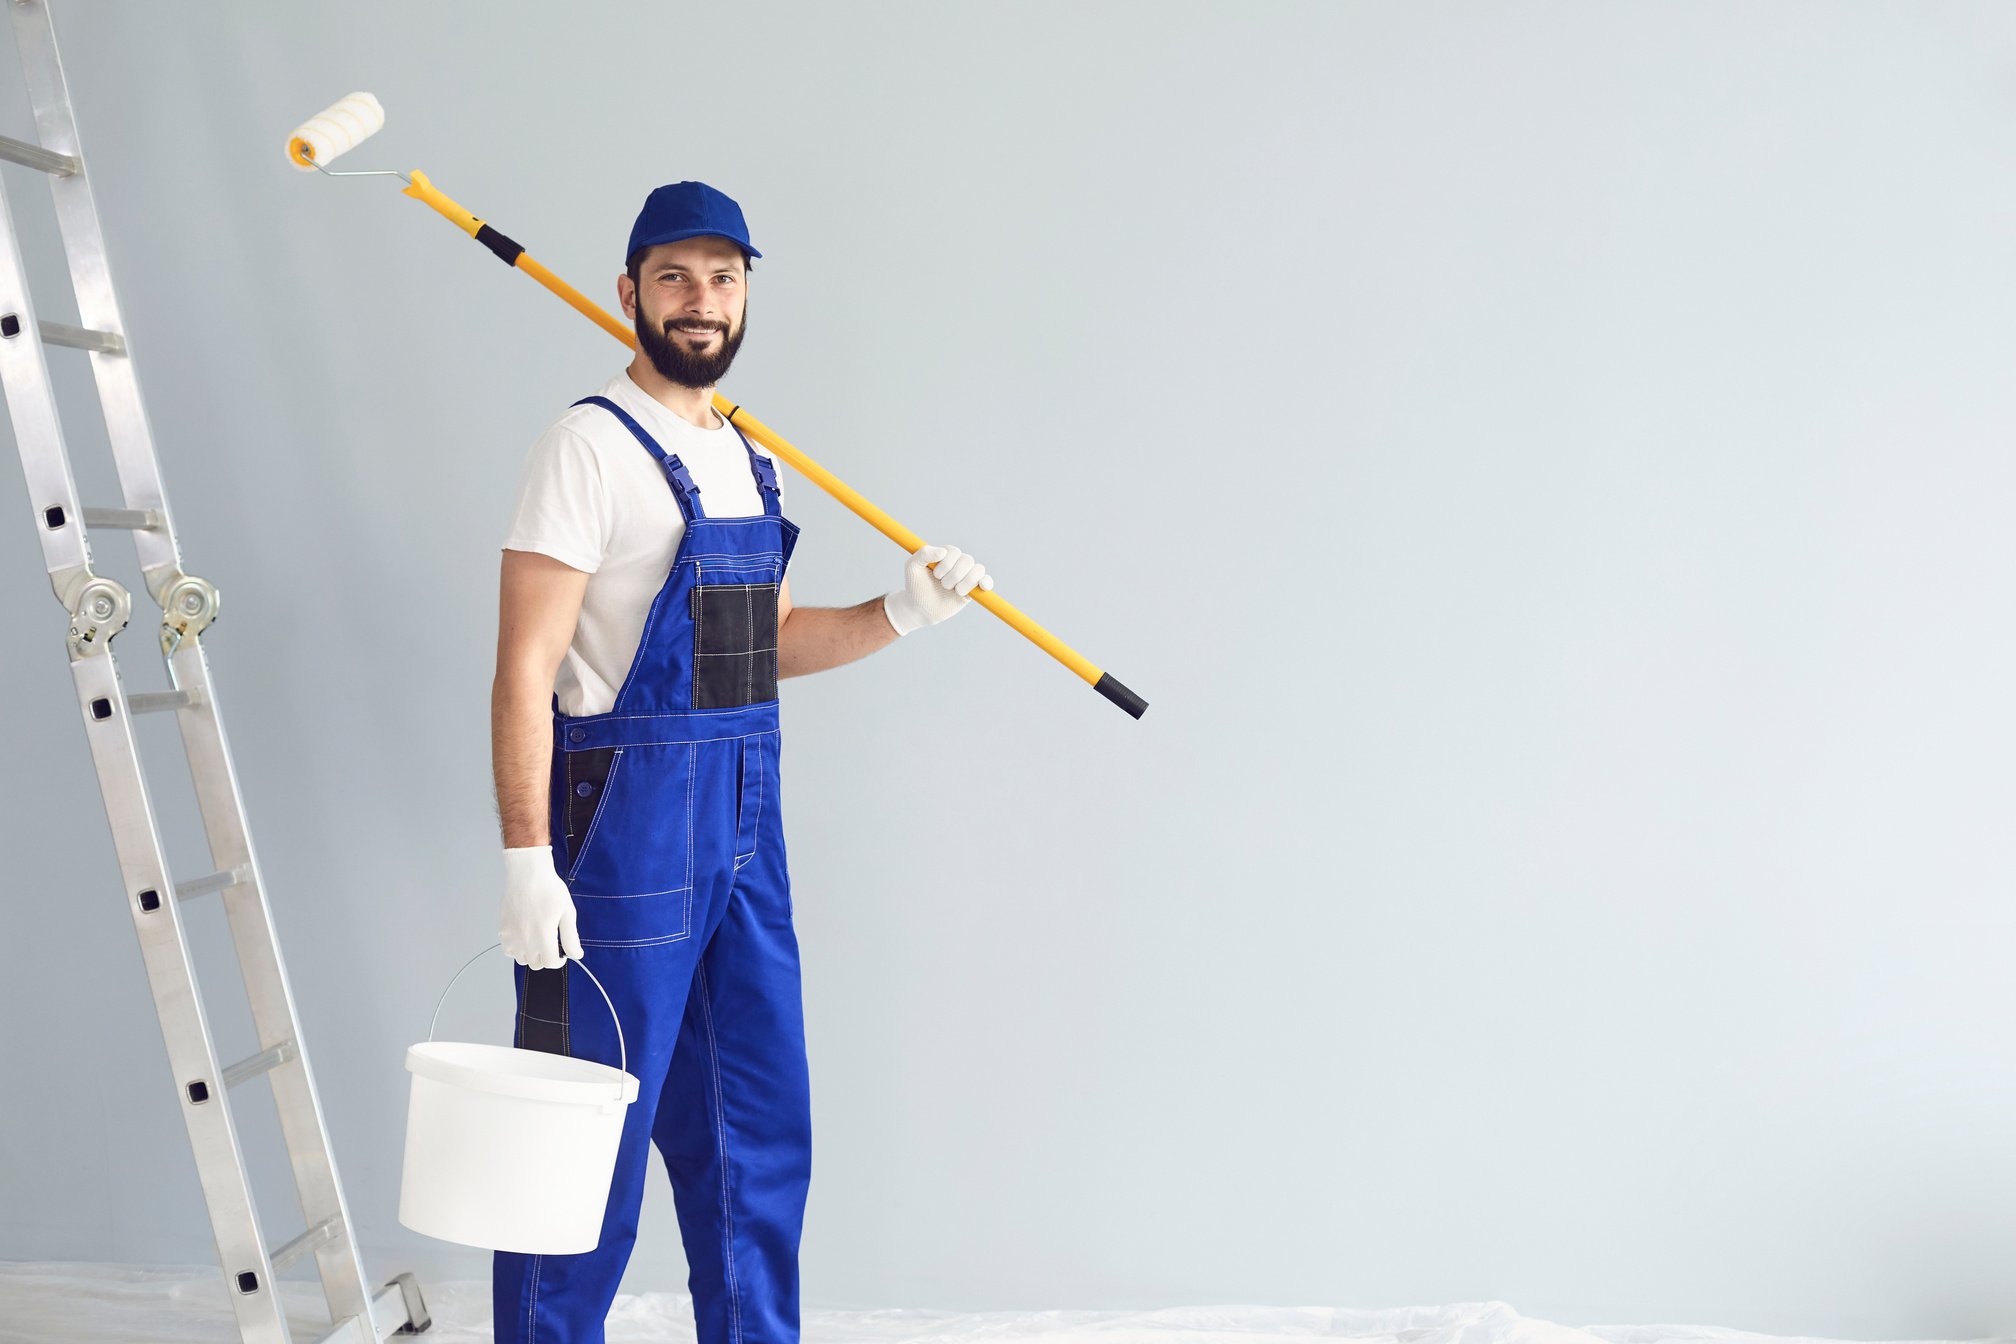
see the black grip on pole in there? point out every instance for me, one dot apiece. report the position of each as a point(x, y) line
point(506, 250)
point(1120, 695)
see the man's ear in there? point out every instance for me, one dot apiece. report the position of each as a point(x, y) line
point(622, 283)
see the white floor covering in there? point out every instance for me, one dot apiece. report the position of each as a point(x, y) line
point(74, 1302)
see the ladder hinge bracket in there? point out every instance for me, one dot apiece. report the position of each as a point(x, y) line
point(188, 605)
point(99, 609)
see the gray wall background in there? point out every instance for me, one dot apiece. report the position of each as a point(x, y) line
point(1547, 466)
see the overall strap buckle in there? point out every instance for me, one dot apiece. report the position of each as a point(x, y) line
point(682, 480)
point(764, 469)
point(766, 472)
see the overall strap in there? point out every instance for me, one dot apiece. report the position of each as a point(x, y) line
point(683, 489)
point(762, 468)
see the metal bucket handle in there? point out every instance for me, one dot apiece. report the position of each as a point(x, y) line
point(622, 1051)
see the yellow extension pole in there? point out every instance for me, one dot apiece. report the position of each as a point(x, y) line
point(514, 255)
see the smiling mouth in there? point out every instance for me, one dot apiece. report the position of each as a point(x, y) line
point(696, 331)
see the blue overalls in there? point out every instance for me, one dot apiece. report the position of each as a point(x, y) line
point(668, 829)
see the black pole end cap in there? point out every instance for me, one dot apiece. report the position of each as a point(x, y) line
point(1120, 695)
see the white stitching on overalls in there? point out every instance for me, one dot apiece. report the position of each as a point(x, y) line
point(721, 1144)
point(687, 741)
point(626, 895)
point(669, 714)
point(748, 664)
point(636, 942)
point(532, 1310)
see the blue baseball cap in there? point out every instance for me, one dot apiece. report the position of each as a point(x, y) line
point(687, 210)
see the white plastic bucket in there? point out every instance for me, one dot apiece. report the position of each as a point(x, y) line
point(509, 1149)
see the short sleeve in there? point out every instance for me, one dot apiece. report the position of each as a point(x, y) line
point(563, 508)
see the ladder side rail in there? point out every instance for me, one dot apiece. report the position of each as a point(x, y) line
point(143, 866)
point(97, 305)
point(302, 1121)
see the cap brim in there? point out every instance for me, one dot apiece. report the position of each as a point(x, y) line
point(693, 233)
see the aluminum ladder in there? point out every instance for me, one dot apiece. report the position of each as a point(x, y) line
point(98, 609)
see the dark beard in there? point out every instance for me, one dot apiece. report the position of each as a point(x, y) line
point(678, 362)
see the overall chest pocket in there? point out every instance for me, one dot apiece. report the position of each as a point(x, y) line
point(734, 644)
point(629, 818)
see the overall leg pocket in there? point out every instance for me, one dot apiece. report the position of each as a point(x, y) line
point(633, 878)
point(752, 789)
point(582, 781)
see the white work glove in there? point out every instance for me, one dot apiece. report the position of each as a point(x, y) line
point(927, 596)
point(538, 916)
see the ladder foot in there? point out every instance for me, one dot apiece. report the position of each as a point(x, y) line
point(417, 1318)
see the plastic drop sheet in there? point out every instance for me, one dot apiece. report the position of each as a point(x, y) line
point(72, 1302)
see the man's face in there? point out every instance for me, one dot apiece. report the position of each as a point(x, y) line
point(689, 308)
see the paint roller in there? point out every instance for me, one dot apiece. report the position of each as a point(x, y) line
point(352, 119)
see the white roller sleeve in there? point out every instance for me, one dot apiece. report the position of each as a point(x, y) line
point(333, 130)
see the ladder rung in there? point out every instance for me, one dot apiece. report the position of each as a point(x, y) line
point(196, 886)
point(153, 702)
point(253, 1065)
point(81, 338)
point(140, 520)
point(34, 156)
point(307, 1241)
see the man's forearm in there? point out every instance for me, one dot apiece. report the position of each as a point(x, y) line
point(812, 639)
point(521, 758)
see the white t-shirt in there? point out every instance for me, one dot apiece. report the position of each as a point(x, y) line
point(593, 497)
